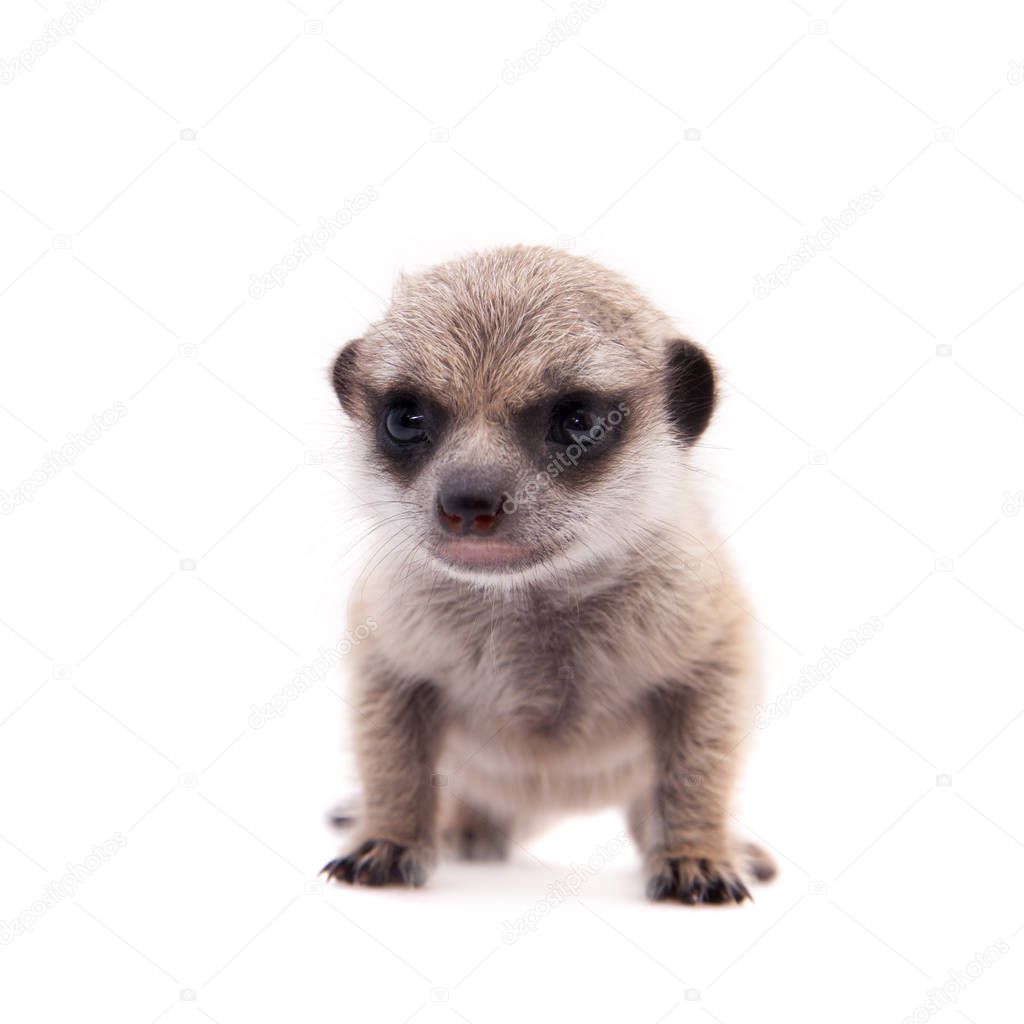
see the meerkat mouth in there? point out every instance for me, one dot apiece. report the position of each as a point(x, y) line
point(485, 554)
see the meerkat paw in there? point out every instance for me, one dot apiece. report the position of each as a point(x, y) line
point(695, 880)
point(380, 862)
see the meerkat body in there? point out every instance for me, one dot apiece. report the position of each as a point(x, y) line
point(556, 629)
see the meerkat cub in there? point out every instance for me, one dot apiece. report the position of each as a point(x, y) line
point(556, 629)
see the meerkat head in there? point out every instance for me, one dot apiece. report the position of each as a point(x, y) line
point(521, 415)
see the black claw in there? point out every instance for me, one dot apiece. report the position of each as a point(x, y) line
point(739, 892)
point(377, 862)
point(339, 869)
point(373, 874)
point(700, 882)
point(716, 892)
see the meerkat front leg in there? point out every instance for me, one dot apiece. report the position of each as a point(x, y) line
point(681, 825)
point(398, 735)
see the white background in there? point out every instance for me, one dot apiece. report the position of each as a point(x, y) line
point(862, 467)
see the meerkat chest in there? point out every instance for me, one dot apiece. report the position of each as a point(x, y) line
point(545, 674)
point(539, 682)
point(555, 721)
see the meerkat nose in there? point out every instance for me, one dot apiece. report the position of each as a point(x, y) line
point(469, 512)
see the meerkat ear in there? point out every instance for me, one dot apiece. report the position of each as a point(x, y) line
point(343, 372)
point(690, 388)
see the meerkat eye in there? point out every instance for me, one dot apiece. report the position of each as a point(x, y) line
point(572, 423)
point(405, 424)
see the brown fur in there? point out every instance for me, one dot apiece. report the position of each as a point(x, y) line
point(614, 667)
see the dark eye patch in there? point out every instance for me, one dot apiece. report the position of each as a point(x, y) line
point(408, 427)
point(582, 425)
